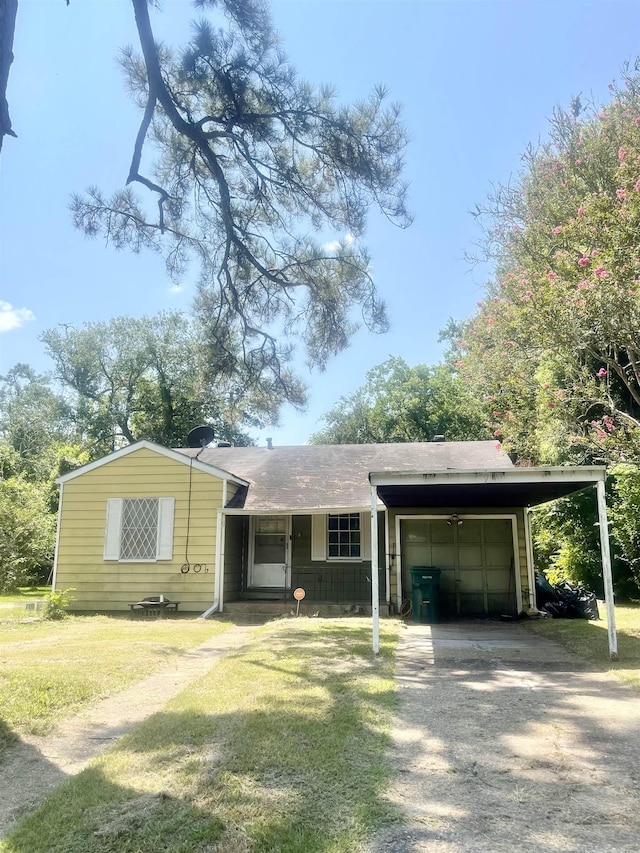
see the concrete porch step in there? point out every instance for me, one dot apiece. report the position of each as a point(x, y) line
point(279, 608)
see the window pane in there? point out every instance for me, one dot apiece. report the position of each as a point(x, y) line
point(343, 533)
point(139, 531)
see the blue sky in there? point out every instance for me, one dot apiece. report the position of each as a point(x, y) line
point(477, 81)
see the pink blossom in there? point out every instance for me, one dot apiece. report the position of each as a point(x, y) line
point(584, 283)
point(552, 275)
point(497, 445)
point(557, 230)
point(511, 344)
point(551, 405)
point(621, 193)
point(496, 414)
point(581, 211)
point(636, 186)
point(601, 373)
point(497, 433)
point(583, 261)
point(636, 121)
point(528, 293)
point(595, 252)
point(579, 161)
point(600, 272)
point(622, 153)
point(609, 424)
point(458, 363)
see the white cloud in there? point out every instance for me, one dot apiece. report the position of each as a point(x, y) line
point(176, 288)
point(13, 318)
point(334, 245)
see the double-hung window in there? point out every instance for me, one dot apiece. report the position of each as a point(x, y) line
point(139, 529)
point(343, 532)
point(341, 537)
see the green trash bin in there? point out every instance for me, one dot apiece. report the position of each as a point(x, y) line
point(425, 594)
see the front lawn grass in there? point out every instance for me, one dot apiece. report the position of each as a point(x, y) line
point(24, 594)
point(278, 749)
point(588, 640)
point(51, 669)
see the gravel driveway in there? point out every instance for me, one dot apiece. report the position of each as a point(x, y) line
point(504, 741)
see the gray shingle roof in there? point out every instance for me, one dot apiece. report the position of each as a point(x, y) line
point(326, 477)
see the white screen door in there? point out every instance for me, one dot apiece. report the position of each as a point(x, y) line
point(271, 566)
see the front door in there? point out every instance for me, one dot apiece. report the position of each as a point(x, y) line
point(270, 563)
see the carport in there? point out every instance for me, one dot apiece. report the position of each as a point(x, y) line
point(475, 490)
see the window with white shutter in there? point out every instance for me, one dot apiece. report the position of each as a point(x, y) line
point(139, 529)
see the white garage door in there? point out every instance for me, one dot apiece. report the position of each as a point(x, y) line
point(476, 559)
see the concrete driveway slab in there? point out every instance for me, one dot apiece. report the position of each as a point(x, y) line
point(503, 740)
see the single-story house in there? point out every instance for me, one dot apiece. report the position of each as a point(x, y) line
point(210, 526)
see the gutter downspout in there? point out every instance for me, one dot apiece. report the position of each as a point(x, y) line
point(529, 551)
point(55, 553)
point(218, 603)
point(606, 570)
point(375, 594)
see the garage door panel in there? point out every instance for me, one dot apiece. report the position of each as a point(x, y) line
point(469, 556)
point(498, 531)
point(441, 533)
point(498, 604)
point(472, 605)
point(498, 579)
point(470, 531)
point(471, 580)
point(498, 555)
point(415, 532)
point(448, 581)
point(443, 556)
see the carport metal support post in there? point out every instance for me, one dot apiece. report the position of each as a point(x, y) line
point(375, 594)
point(606, 570)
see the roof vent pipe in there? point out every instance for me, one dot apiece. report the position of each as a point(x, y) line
point(270, 443)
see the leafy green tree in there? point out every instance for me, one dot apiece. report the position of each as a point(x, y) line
point(262, 179)
point(402, 403)
point(146, 378)
point(27, 532)
point(32, 418)
point(624, 514)
point(555, 345)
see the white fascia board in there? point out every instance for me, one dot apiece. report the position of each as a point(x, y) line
point(321, 510)
point(556, 474)
point(156, 448)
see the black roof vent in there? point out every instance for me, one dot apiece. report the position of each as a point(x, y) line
point(438, 438)
point(224, 444)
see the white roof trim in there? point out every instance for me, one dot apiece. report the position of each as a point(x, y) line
point(321, 510)
point(557, 474)
point(213, 470)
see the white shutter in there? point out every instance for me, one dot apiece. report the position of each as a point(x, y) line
point(319, 537)
point(365, 535)
point(165, 528)
point(112, 529)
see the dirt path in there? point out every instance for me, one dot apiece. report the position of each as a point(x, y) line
point(505, 741)
point(36, 765)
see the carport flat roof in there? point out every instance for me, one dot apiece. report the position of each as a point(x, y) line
point(509, 487)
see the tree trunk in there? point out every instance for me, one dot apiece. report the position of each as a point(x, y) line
point(8, 12)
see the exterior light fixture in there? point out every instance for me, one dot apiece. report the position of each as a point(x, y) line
point(455, 519)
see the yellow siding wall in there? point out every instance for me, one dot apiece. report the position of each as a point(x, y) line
point(111, 585)
point(522, 550)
